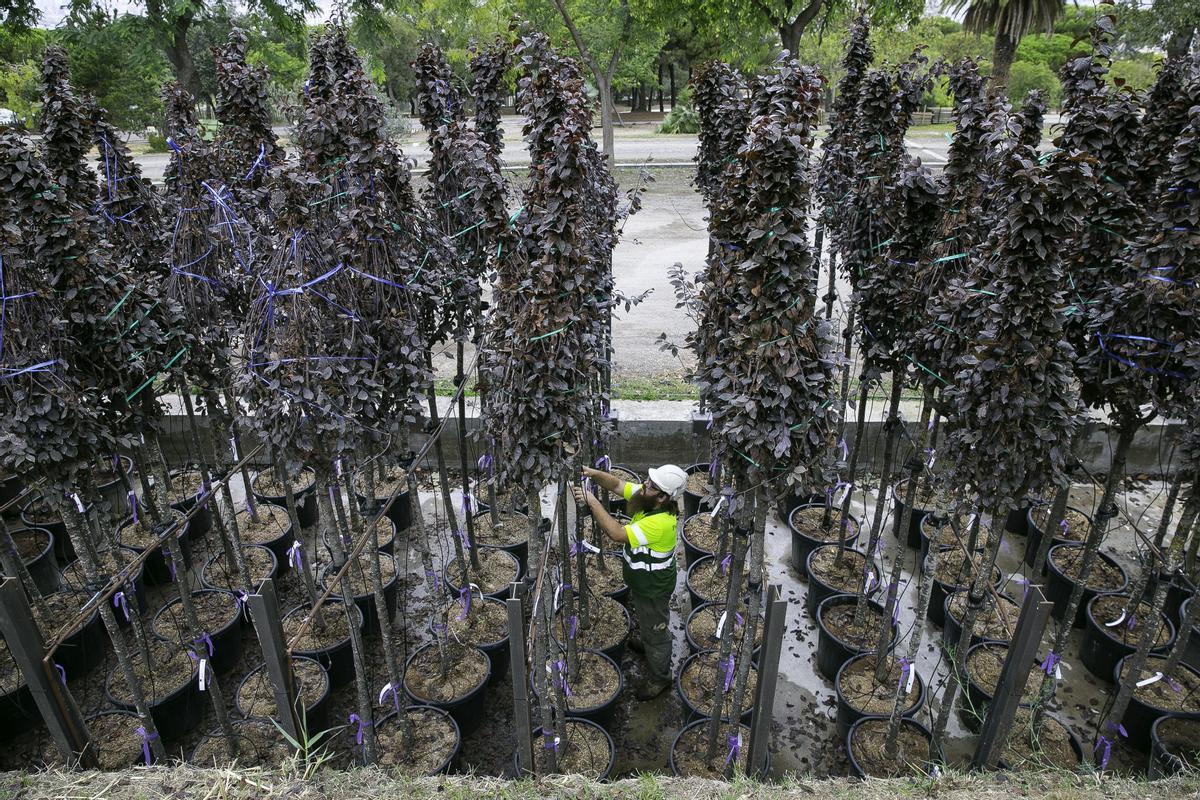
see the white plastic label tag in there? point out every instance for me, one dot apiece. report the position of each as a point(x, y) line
point(721, 623)
point(1116, 621)
point(233, 447)
point(78, 503)
point(912, 677)
point(1155, 678)
point(203, 674)
point(717, 508)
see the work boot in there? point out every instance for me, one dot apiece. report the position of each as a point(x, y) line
point(634, 643)
point(650, 688)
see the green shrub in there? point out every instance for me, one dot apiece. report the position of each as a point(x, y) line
point(1025, 76)
point(157, 142)
point(682, 119)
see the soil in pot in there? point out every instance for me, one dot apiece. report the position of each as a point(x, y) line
point(702, 628)
point(955, 570)
point(256, 698)
point(11, 678)
point(267, 485)
point(689, 751)
point(487, 624)
point(432, 740)
point(1111, 607)
point(707, 580)
point(807, 520)
point(839, 620)
point(360, 574)
point(844, 578)
point(868, 742)
point(984, 664)
point(1049, 746)
point(597, 684)
point(115, 740)
point(394, 479)
point(260, 563)
point(34, 548)
point(865, 694)
point(929, 496)
point(186, 486)
point(701, 532)
point(608, 629)
point(271, 523)
point(992, 622)
point(497, 569)
point(317, 637)
point(583, 749)
point(1161, 695)
point(73, 575)
point(512, 530)
point(170, 669)
point(85, 649)
point(699, 681)
point(607, 581)
point(423, 676)
point(1180, 737)
point(945, 535)
point(30, 542)
point(143, 534)
point(1104, 576)
point(217, 613)
point(259, 744)
point(698, 483)
point(1076, 529)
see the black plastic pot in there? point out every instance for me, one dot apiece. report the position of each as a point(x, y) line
point(692, 711)
point(64, 550)
point(1076, 746)
point(366, 601)
point(174, 715)
point(691, 501)
point(1017, 521)
point(1034, 534)
point(306, 500)
point(1179, 589)
point(940, 590)
point(157, 569)
point(316, 714)
point(694, 646)
point(617, 651)
point(803, 545)
point(857, 771)
point(445, 767)
point(280, 544)
point(1163, 762)
point(691, 553)
point(601, 714)
point(18, 713)
point(612, 750)
point(952, 627)
point(466, 710)
point(135, 603)
point(616, 502)
point(977, 697)
point(452, 585)
point(682, 731)
point(696, 598)
point(832, 652)
point(1191, 651)
point(795, 499)
point(337, 658)
point(201, 522)
point(819, 590)
point(136, 749)
point(1059, 586)
point(80, 652)
point(399, 512)
point(11, 487)
point(1100, 652)
point(1140, 716)
point(847, 714)
point(913, 537)
point(930, 525)
point(497, 652)
point(226, 640)
point(42, 567)
point(520, 550)
point(113, 492)
point(206, 579)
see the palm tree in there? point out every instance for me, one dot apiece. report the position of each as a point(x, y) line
point(1010, 19)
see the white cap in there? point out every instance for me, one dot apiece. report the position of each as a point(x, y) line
point(670, 478)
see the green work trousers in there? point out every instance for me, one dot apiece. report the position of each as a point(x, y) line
point(654, 617)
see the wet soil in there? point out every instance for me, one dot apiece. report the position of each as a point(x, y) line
point(486, 624)
point(1076, 529)
point(1104, 577)
point(692, 748)
point(256, 697)
point(169, 669)
point(582, 750)
point(706, 579)
point(318, 637)
point(513, 529)
point(468, 669)
point(144, 533)
point(115, 740)
point(991, 621)
point(1181, 738)
point(984, 665)
point(702, 627)
point(845, 577)
point(272, 521)
point(1109, 608)
point(259, 744)
point(701, 679)
point(497, 570)
point(609, 625)
point(863, 692)
point(869, 743)
point(258, 563)
point(1047, 746)
point(610, 579)
point(808, 521)
point(596, 685)
point(1162, 695)
point(839, 620)
point(214, 610)
point(431, 740)
point(266, 485)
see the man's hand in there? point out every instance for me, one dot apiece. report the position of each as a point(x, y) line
point(580, 495)
point(588, 472)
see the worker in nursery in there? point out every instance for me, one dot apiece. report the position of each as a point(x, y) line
point(649, 553)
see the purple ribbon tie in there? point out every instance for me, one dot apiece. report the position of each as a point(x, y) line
point(207, 641)
point(170, 561)
point(725, 562)
point(146, 737)
point(572, 626)
point(905, 667)
point(464, 597)
point(133, 506)
point(293, 554)
point(62, 673)
point(1051, 661)
point(358, 736)
point(729, 672)
point(735, 748)
point(119, 602)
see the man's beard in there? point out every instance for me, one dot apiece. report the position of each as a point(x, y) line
point(639, 502)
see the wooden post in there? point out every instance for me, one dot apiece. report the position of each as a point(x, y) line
point(1027, 638)
point(520, 682)
point(768, 676)
point(53, 700)
point(264, 610)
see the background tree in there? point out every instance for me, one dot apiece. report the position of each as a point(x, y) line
point(1008, 20)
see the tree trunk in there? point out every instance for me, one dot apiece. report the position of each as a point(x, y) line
point(179, 53)
point(604, 85)
point(671, 77)
point(1179, 43)
point(660, 86)
point(789, 36)
point(1004, 50)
